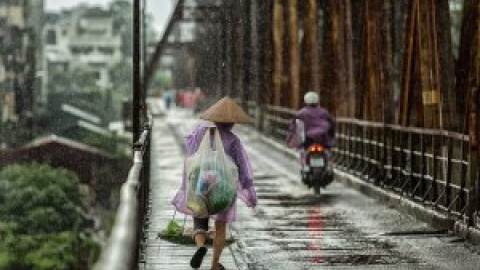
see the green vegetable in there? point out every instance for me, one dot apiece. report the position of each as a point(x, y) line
point(221, 197)
point(173, 229)
point(181, 239)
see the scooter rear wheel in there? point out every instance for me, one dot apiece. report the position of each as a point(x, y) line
point(316, 180)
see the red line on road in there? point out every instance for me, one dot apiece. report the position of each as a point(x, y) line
point(315, 226)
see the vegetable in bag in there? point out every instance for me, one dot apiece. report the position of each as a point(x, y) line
point(212, 178)
point(221, 197)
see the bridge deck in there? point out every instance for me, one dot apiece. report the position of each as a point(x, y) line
point(291, 228)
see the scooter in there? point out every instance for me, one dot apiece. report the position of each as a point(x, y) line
point(316, 168)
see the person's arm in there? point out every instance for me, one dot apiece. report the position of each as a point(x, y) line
point(331, 131)
point(193, 139)
point(247, 191)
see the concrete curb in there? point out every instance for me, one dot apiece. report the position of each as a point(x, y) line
point(404, 205)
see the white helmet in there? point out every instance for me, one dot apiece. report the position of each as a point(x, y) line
point(311, 98)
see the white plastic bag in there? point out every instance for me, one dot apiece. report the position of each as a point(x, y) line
point(296, 138)
point(212, 177)
point(300, 130)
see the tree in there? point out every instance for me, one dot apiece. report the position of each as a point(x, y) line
point(41, 221)
point(77, 80)
point(162, 80)
point(122, 11)
point(123, 23)
point(121, 75)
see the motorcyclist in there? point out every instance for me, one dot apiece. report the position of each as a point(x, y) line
point(318, 128)
point(318, 123)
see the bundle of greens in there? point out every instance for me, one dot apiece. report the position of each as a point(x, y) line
point(176, 234)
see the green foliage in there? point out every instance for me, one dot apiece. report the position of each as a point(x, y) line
point(123, 23)
point(77, 80)
point(162, 80)
point(38, 198)
point(53, 252)
point(121, 75)
point(15, 133)
point(122, 85)
point(40, 222)
point(122, 11)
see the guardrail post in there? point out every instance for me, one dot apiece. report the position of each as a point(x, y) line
point(477, 131)
point(474, 198)
point(143, 194)
point(137, 147)
point(137, 82)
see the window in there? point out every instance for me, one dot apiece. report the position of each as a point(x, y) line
point(97, 65)
point(76, 50)
point(51, 37)
point(97, 75)
point(106, 50)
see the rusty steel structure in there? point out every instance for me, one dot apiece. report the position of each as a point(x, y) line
point(387, 69)
point(378, 60)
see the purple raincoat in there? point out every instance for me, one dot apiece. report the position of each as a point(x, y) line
point(319, 125)
point(234, 149)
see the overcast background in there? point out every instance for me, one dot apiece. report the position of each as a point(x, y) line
point(160, 9)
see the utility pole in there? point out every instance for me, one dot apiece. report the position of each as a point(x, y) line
point(137, 81)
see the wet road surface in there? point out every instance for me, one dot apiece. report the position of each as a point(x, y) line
point(341, 229)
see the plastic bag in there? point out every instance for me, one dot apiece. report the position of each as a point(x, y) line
point(296, 136)
point(212, 177)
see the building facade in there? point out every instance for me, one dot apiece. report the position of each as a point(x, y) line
point(82, 38)
point(20, 45)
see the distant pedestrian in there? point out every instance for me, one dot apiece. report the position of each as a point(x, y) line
point(223, 115)
point(168, 98)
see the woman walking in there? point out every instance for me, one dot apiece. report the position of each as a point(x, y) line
point(222, 116)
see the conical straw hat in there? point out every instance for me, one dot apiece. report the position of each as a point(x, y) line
point(225, 111)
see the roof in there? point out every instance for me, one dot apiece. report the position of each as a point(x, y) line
point(67, 142)
point(84, 160)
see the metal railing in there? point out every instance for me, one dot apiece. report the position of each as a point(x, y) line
point(431, 167)
point(276, 121)
point(122, 250)
point(428, 166)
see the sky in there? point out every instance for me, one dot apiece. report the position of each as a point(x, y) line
point(160, 9)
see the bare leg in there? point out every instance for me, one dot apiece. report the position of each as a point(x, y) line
point(200, 239)
point(219, 242)
point(200, 227)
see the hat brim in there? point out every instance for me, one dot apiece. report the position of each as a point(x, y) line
point(226, 111)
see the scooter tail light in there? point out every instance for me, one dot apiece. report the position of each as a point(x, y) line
point(315, 148)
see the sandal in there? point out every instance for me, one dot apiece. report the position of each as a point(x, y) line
point(219, 267)
point(197, 258)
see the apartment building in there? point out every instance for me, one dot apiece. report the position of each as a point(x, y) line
point(82, 38)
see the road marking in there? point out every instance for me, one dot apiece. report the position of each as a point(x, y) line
point(315, 226)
